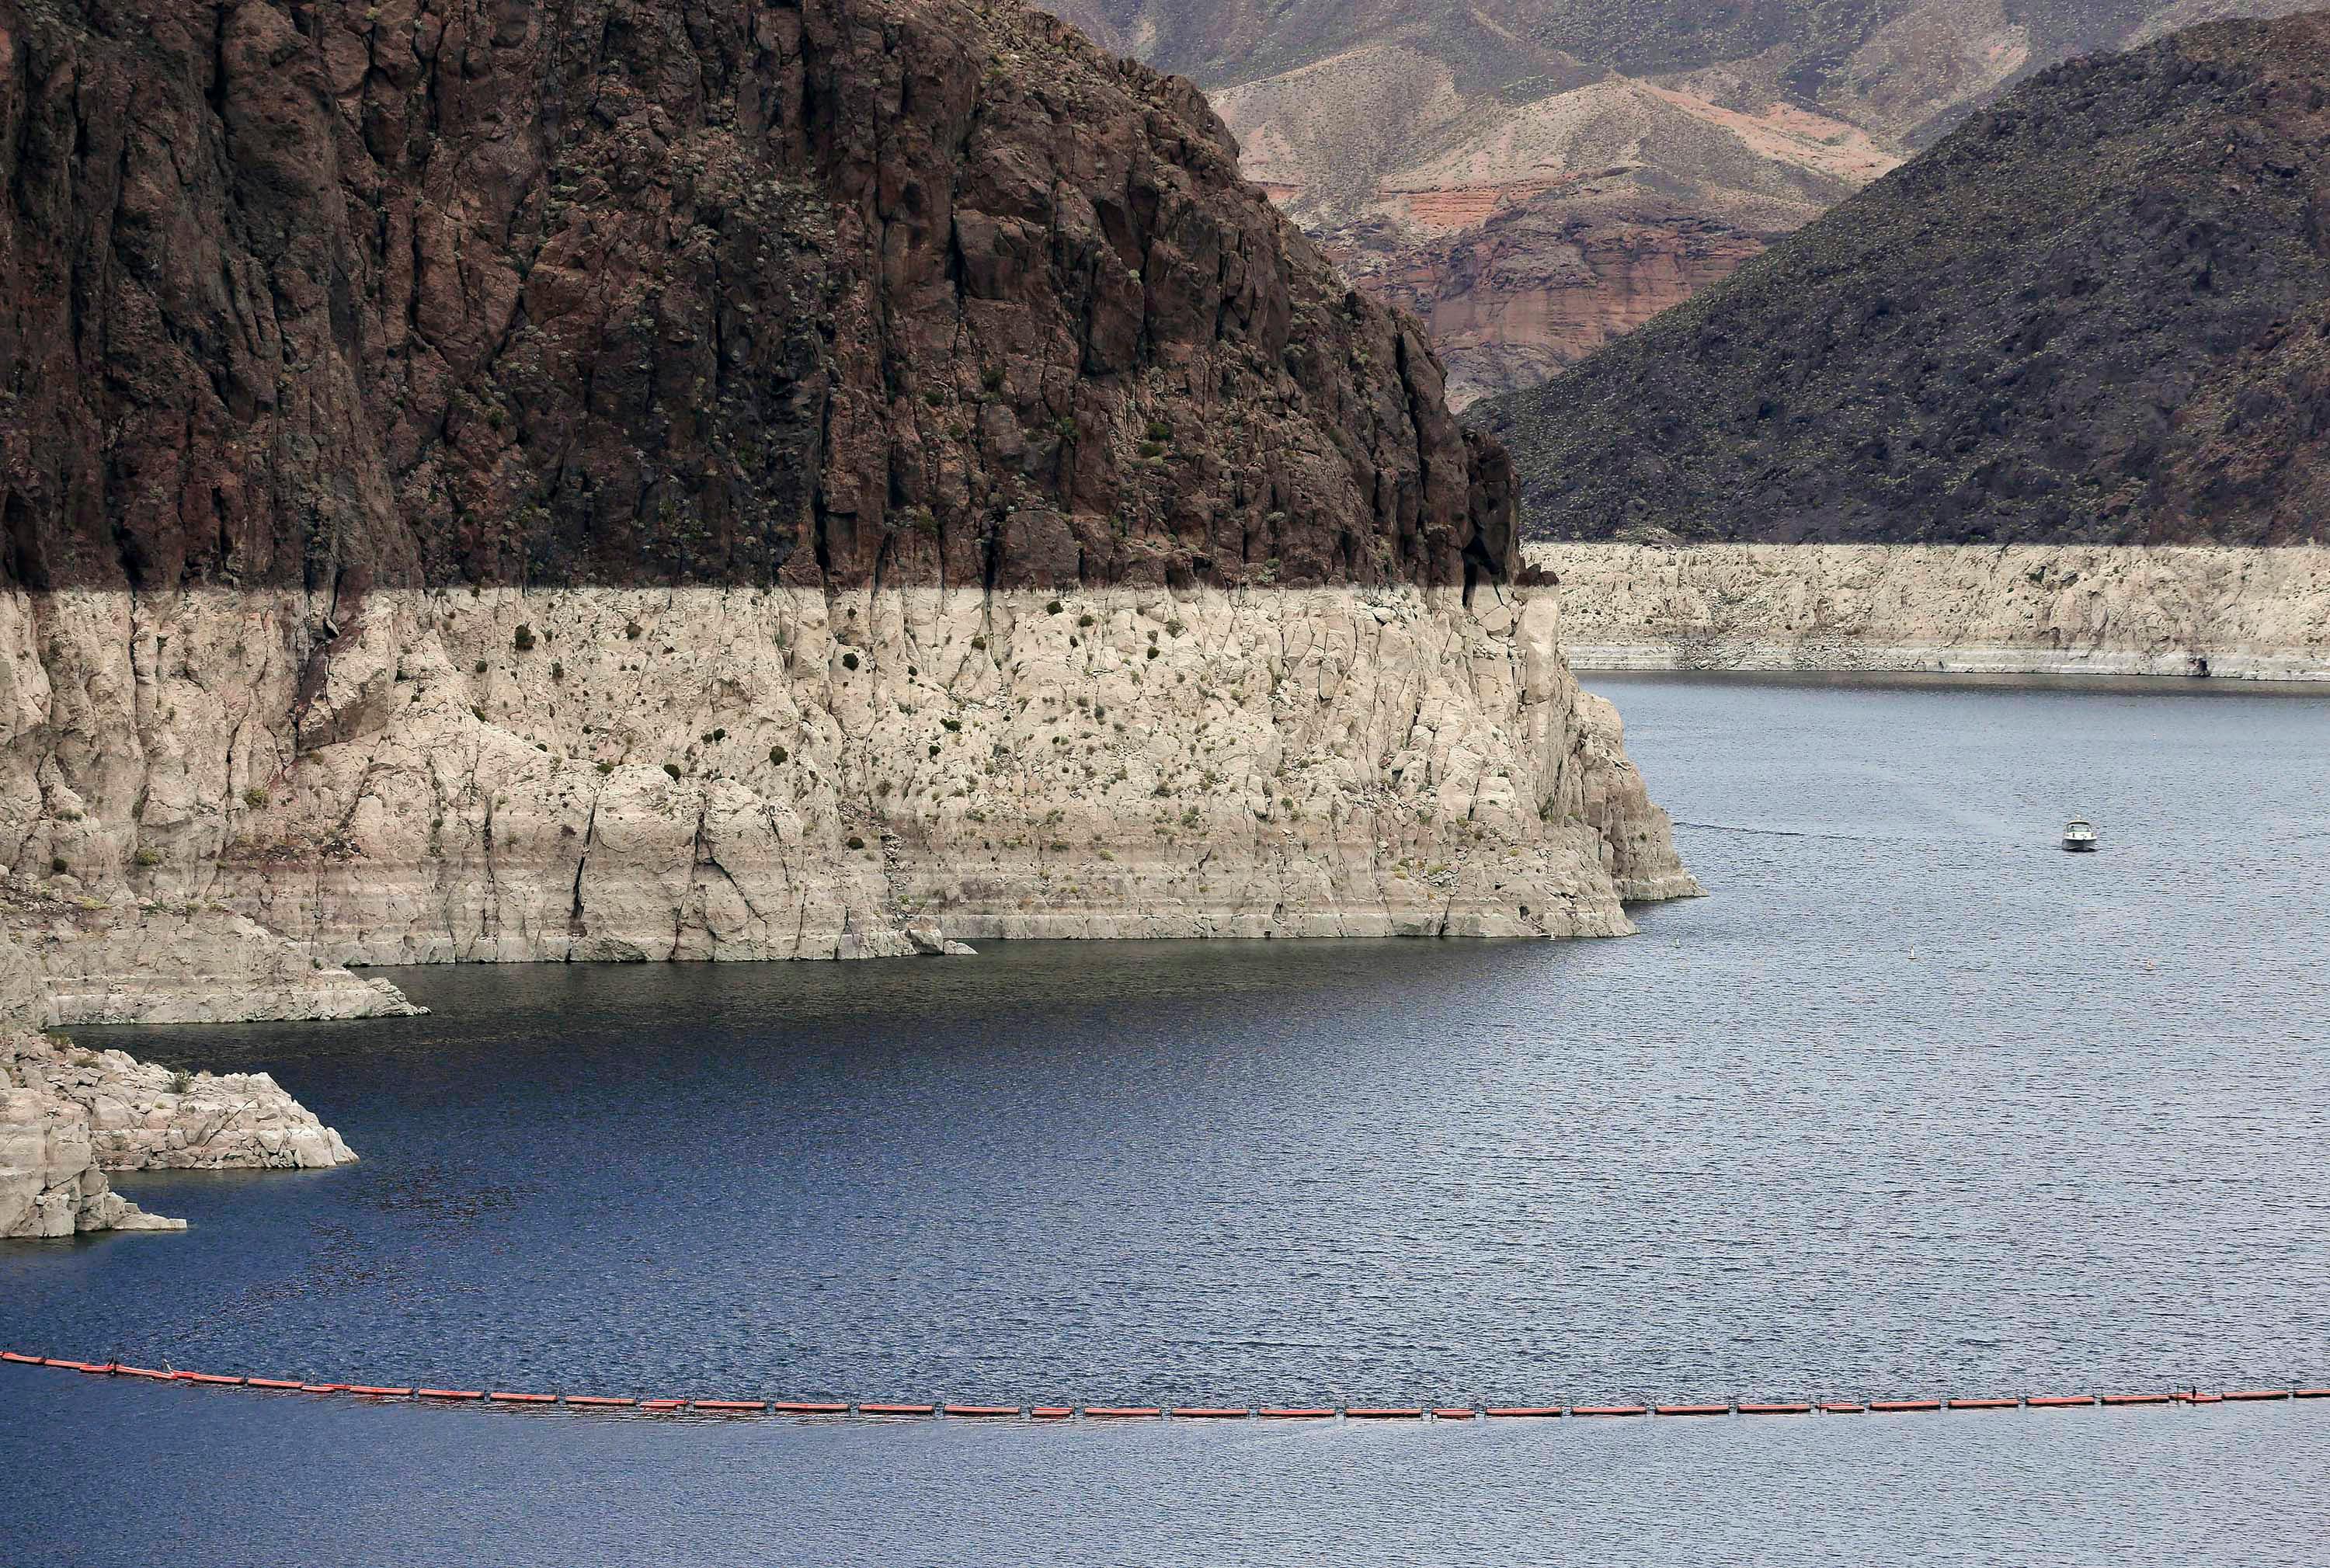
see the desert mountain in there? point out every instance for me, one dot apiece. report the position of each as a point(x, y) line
point(1536, 176)
point(2097, 312)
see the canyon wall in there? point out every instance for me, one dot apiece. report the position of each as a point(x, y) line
point(659, 773)
point(2051, 609)
point(758, 478)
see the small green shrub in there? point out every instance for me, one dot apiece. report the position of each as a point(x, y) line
point(255, 798)
point(1159, 430)
point(672, 769)
point(522, 639)
point(633, 630)
point(856, 842)
point(1087, 621)
point(779, 755)
point(1053, 608)
point(149, 856)
point(480, 668)
point(180, 1080)
point(849, 661)
point(557, 671)
point(605, 769)
point(57, 865)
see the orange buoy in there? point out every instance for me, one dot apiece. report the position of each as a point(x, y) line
point(1052, 1412)
point(1842, 1409)
point(376, 1392)
point(1111, 1412)
point(269, 1382)
point(2058, 1401)
point(1210, 1412)
point(2309, 1393)
point(1385, 1413)
point(19, 1355)
point(322, 1388)
point(1607, 1409)
point(2196, 1397)
point(1537, 1410)
point(982, 1409)
point(502, 1396)
point(1455, 1412)
point(2256, 1393)
point(216, 1380)
point(897, 1409)
point(68, 1366)
point(106, 1370)
point(448, 1393)
point(2136, 1399)
point(807, 1407)
point(663, 1404)
point(1985, 1403)
point(726, 1404)
point(143, 1372)
point(1692, 1410)
point(1894, 1406)
point(1776, 1410)
point(599, 1401)
point(1296, 1413)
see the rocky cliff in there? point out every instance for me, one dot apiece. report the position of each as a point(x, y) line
point(601, 480)
point(2093, 313)
point(2024, 609)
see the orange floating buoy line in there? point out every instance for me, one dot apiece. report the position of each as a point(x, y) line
point(507, 1399)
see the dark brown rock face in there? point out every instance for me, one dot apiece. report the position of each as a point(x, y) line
point(2091, 315)
point(839, 291)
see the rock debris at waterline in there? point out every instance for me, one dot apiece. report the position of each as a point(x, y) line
point(70, 1116)
point(600, 773)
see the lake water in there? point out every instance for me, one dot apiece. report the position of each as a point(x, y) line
point(1915, 1104)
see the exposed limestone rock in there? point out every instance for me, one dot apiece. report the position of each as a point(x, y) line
point(114, 958)
point(51, 1181)
point(2055, 609)
point(140, 1116)
point(636, 773)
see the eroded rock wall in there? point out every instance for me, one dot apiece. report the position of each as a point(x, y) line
point(2060, 609)
point(657, 773)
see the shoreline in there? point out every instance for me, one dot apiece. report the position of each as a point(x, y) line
point(2215, 613)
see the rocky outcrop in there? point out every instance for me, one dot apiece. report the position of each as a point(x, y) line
point(69, 1116)
point(820, 479)
point(2050, 609)
point(145, 1117)
point(2092, 314)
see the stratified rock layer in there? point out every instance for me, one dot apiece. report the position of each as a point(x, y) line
point(2029, 610)
point(599, 480)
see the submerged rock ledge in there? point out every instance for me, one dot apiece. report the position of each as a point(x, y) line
point(605, 773)
point(2247, 614)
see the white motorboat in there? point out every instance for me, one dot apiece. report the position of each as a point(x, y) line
point(2079, 835)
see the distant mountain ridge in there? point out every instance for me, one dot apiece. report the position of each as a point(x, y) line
point(1635, 151)
point(2097, 312)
